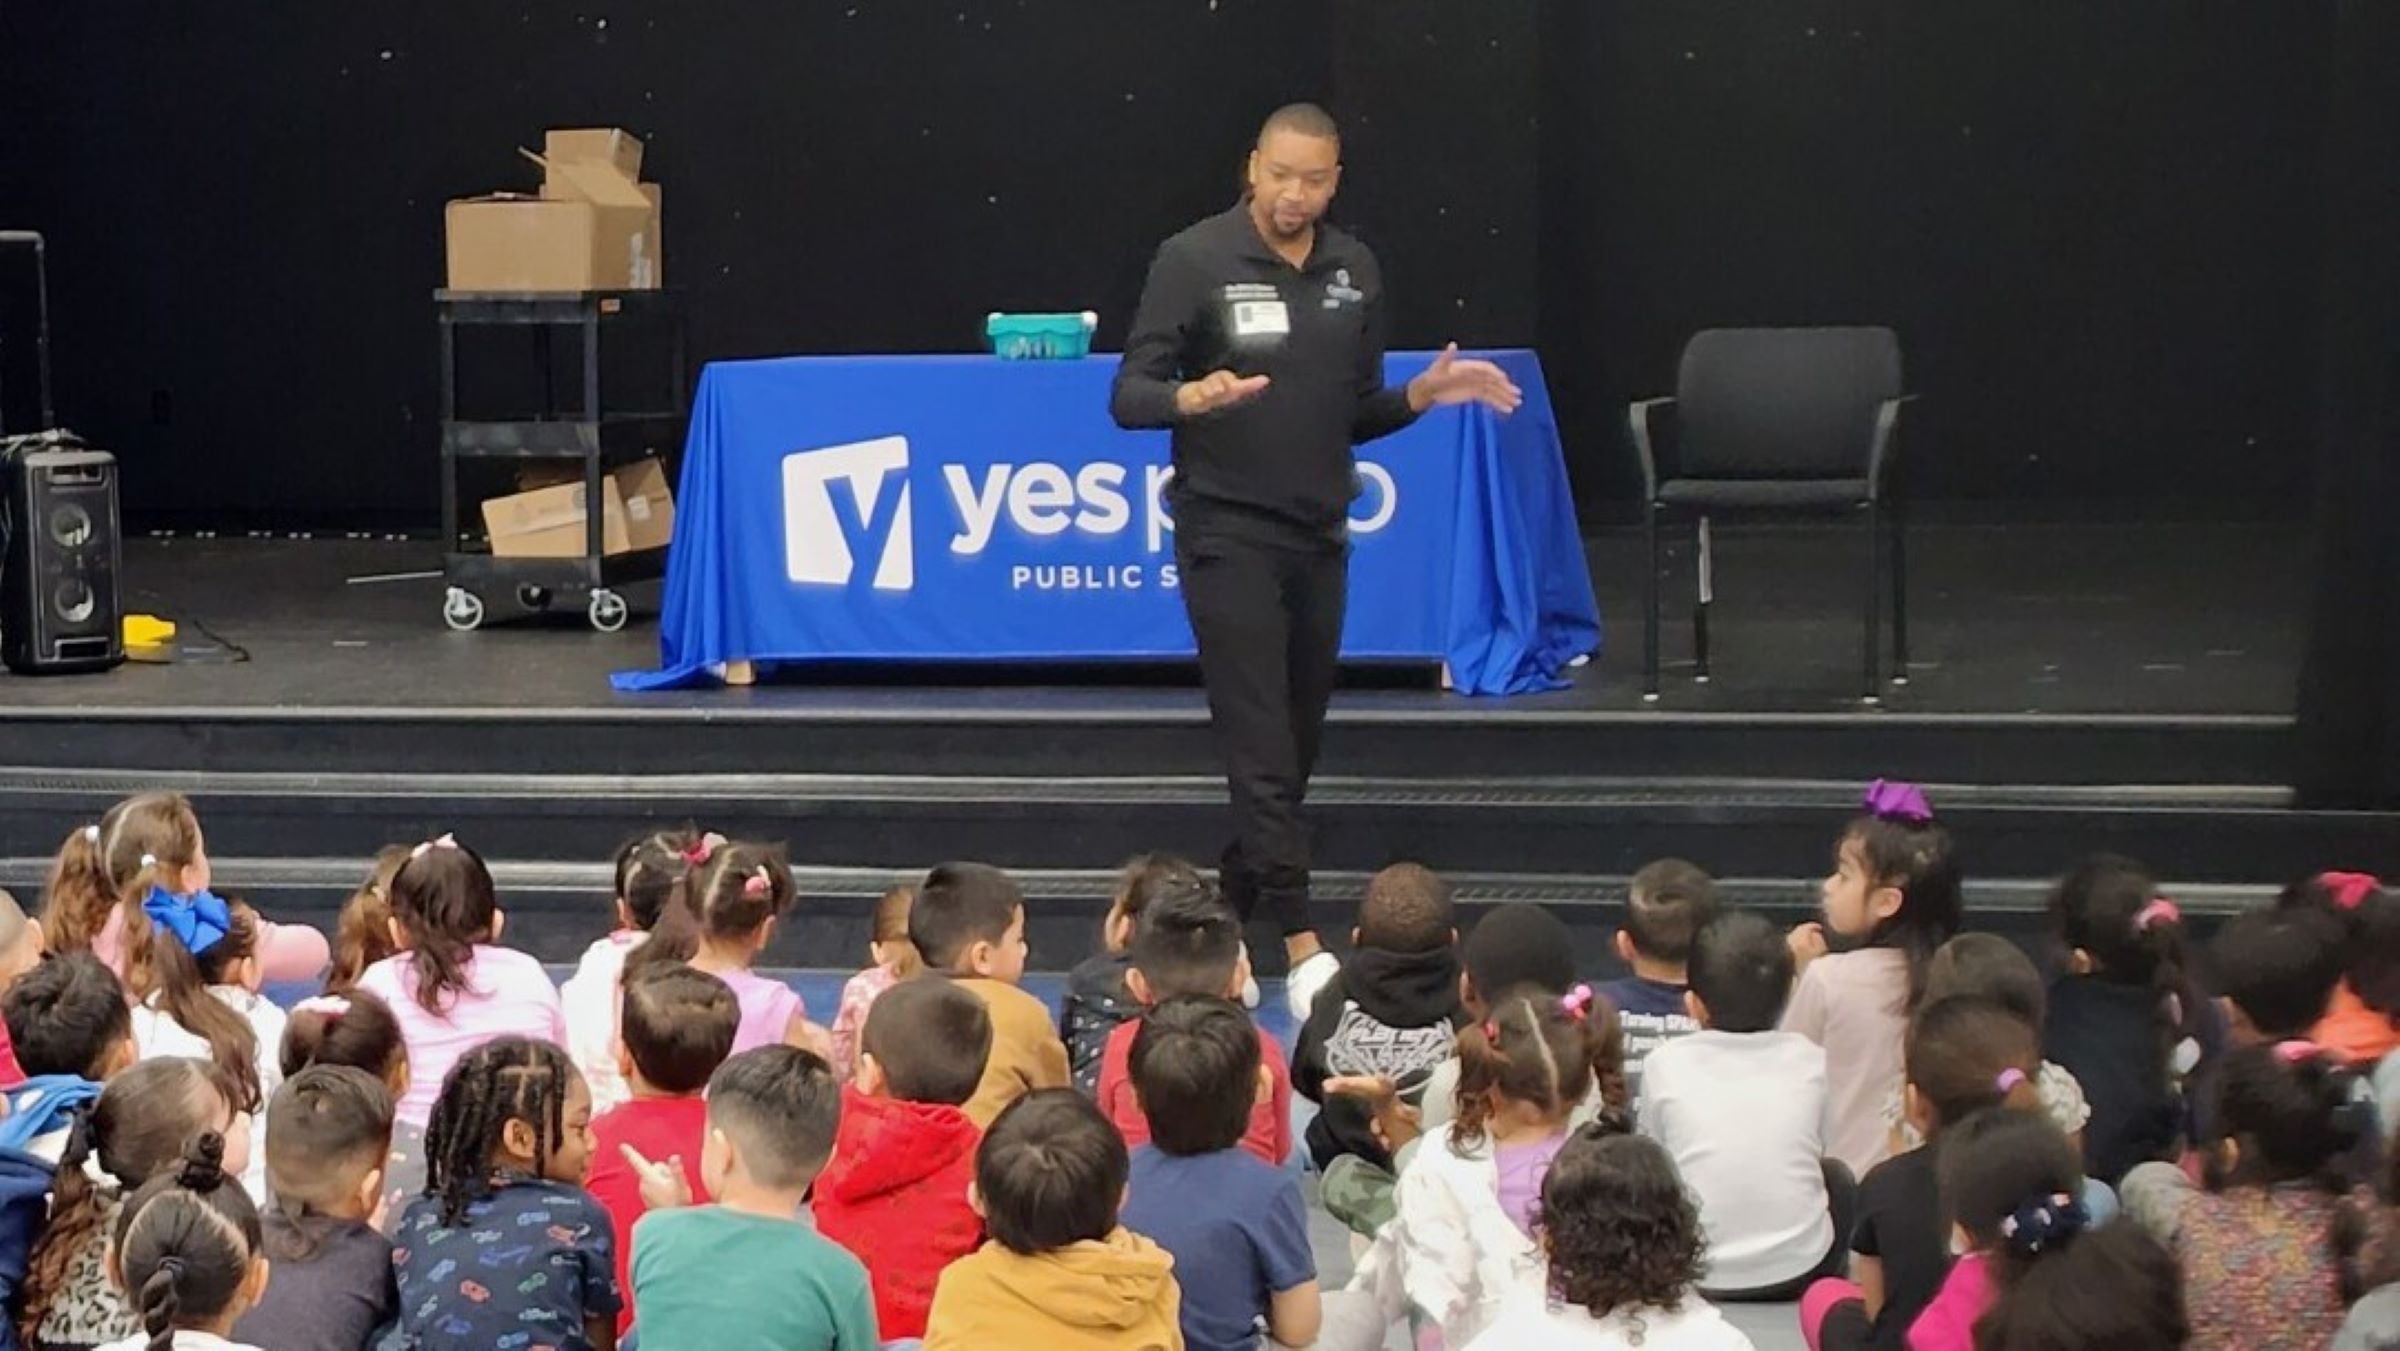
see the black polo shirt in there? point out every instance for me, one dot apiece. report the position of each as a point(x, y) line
point(1220, 298)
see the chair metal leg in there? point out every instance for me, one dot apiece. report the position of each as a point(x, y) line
point(1700, 603)
point(1899, 544)
point(1650, 608)
point(1872, 648)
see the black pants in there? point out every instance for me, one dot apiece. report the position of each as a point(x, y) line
point(1267, 612)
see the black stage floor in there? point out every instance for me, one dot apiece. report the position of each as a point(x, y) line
point(2033, 619)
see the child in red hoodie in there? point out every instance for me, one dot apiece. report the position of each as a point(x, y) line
point(677, 1027)
point(895, 1193)
point(1189, 943)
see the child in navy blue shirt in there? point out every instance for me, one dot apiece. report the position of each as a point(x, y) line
point(1667, 903)
point(506, 1248)
point(1236, 1225)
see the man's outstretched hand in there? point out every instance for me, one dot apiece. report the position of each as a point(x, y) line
point(1453, 379)
point(1215, 390)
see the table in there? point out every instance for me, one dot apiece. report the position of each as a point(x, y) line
point(956, 508)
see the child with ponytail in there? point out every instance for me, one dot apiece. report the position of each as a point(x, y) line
point(739, 895)
point(2362, 1024)
point(2270, 1246)
point(106, 871)
point(2035, 1272)
point(189, 1256)
point(2125, 1018)
point(362, 935)
point(1463, 1242)
point(653, 879)
point(206, 1004)
point(1965, 1054)
point(453, 987)
point(135, 1131)
point(357, 1031)
point(895, 960)
point(1894, 898)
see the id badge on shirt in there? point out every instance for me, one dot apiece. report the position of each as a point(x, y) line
point(1261, 319)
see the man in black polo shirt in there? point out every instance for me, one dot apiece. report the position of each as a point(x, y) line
point(1260, 343)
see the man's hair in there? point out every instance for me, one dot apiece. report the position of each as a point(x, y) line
point(1407, 909)
point(1187, 942)
point(1667, 904)
point(2278, 967)
point(1307, 119)
point(960, 905)
point(327, 1127)
point(1742, 970)
point(679, 1026)
point(779, 1106)
point(930, 1038)
point(65, 1015)
point(1194, 1066)
point(1051, 1172)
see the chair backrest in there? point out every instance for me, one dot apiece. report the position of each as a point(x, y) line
point(1790, 403)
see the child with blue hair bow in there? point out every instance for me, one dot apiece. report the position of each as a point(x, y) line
point(205, 1004)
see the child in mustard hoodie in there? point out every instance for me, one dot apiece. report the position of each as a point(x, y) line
point(1059, 1272)
point(969, 923)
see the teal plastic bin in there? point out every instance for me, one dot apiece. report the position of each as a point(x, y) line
point(1040, 337)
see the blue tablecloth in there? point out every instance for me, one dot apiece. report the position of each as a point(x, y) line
point(964, 508)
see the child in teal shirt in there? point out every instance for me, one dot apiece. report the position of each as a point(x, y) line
point(747, 1271)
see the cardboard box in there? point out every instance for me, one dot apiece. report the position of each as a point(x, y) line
point(637, 512)
point(616, 147)
point(595, 226)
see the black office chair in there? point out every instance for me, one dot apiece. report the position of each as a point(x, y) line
point(1779, 420)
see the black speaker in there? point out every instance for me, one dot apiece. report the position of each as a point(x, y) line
point(58, 584)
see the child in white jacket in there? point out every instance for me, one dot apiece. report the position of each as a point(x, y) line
point(1462, 1247)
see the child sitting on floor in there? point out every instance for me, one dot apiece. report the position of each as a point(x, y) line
point(746, 1271)
point(1235, 1224)
point(678, 1028)
point(895, 1193)
point(1667, 904)
point(1895, 894)
point(204, 1003)
point(1622, 1249)
point(362, 934)
point(969, 923)
point(187, 1256)
point(895, 960)
point(453, 987)
point(1099, 999)
point(358, 1030)
point(1189, 943)
point(511, 1140)
point(1059, 1271)
point(1740, 1107)
point(1392, 1012)
point(653, 880)
point(329, 1129)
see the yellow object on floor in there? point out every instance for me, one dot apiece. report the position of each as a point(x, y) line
point(149, 638)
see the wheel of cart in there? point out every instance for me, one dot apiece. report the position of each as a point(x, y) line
point(462, 609)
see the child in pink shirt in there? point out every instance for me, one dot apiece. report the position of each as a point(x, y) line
point(740, 894)
point(2035, 1271)
point(1895, 895)
point(895, 960)
point(453, 988)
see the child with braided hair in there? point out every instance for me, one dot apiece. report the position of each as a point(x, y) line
point(189, 1255)
point(508, 1148)
point(1462, 1244)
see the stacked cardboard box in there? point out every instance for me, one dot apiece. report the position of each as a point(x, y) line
point(595, 226)
point(637, 512)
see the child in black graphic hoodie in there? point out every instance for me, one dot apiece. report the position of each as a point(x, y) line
point(1392, 1012)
